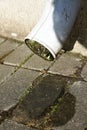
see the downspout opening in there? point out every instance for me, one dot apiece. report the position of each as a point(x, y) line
point(39, 49)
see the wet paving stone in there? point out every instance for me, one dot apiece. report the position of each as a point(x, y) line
point(37, 104)
point(42, 95)
point(64, 110)
point(79, 118)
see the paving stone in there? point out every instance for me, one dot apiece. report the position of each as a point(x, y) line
point(5, 72)
point(79, 120)
point(84, 72)
point(37, 63)
point(7, 47)
point(18, 56)
point(14, 87)
point(66, 65)
point(2, 39)
point(11, 125)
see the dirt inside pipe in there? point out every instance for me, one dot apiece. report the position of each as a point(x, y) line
point(39, 50)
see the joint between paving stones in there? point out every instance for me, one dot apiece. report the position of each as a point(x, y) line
point(25, 60)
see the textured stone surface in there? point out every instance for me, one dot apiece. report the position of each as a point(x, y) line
point(37, 63)
point(13, 88)
point(79, 120)
point(11, 125)
point(7, 47)
point(18, 56)
point(5, 72)
point(84, 72)
point(66, 65)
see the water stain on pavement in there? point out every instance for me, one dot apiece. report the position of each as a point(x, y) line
point(41, 96)
point(46, 104)
point(64, 111)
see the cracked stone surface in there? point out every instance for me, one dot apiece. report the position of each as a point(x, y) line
point(14, 87)
point(11, 125)
point(66, 65)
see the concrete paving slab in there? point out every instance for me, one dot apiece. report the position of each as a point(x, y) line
point(84, 72)
point(18, 56)
point(7, 47)
point(79, 120)
point(11, 125)
point(66, 65)
point(14, 87)
point(5, 72)
point(17, 17)
point(37, 63)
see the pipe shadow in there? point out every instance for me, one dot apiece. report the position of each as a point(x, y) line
point(79, 30)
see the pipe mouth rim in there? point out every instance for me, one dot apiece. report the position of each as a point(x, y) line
point(46, 53)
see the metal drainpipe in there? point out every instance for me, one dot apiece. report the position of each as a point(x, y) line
point(48, 36)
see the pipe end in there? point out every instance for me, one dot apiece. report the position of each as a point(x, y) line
point(40, 50)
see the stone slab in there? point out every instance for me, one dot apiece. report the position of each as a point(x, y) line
point(79, 120)
point(7, 47)
point(5, 72)
point(84, 72)
point(14, 87)
point(66, 65)
point(11, 125)
point(37, 63)
point(18, 56)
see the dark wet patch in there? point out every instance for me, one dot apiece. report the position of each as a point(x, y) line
point(43, 95)
point(46, 104)
point(64, 110)
point(85, 128)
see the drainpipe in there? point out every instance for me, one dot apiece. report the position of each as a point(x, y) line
point(50, 33)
